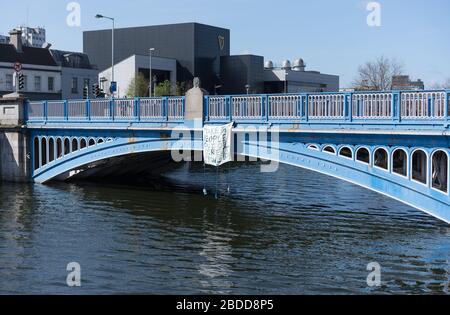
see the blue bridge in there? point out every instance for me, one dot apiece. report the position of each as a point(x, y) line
point(394, 143)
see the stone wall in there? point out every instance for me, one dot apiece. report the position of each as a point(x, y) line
point(14, 146)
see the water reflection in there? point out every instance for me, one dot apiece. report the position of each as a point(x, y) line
point(289, 232)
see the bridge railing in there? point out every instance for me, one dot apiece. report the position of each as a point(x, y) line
point(408, 106)
point(107, 110)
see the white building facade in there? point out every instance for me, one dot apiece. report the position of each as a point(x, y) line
point(40, 82)
point(33, 36)
point(126, 70)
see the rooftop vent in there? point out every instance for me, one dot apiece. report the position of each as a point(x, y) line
point(286, 65)
point(268, 65)
point(299, 65)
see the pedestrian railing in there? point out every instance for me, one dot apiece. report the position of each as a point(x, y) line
point(372, 106)
point(358, 107)
point(423, 105)
point(101, 110)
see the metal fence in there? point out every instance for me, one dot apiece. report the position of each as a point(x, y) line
point(316, 107)
point(284, 106)
point(372, 106)
point(328, 106)
point(246, 107)
point(420, 105)
point(162, 108)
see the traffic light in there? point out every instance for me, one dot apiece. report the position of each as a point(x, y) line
point(86, 92)
point(96, 90)
point(21, 81)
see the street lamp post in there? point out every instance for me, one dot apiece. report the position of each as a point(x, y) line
point(286, 86)
point(99, 16)
point(150, 77)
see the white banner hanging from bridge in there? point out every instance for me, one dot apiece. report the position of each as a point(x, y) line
point(217, 144)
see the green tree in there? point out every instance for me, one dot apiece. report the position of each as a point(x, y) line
point(138, 87)
point(163, 89)
point(181, 88)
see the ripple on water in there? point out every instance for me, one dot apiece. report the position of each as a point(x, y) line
point(285, 233)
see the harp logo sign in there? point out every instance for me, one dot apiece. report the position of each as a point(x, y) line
point(221, 42)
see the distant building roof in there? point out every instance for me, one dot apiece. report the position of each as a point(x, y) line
point(29, 55)
point(68, 59)
point(403, 82)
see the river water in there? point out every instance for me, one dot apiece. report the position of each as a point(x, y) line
point(289, 232)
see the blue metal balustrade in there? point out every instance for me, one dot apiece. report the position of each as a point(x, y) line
point(107, 110)
point(395, 143)
point(403, 108)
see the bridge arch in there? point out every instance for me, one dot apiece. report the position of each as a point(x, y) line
point(363, 155)
point(356, 167)
point(419, 166)
point(381, 158)
point(440, 170)
point(400, 162)
point(67, 149)
point(314, 147)
point(330, 149)
point(347, 152)
point(74, 145)
point(83, 143)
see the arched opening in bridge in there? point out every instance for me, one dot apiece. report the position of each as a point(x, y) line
point(91, 142)
point(37, 153)
point(43, 151)
point(66, 146)
point(346, 152)
point(400, 162)
point(440, 171)
point(313, 147)
point(329, 149)
point(100, 141)
point(74, 145)
point(83, 144)
point(419, 166)
point(59, 152)
point(51, 150)
point(381, 158)
point(363, 155)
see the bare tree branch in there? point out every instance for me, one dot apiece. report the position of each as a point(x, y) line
point(377, 75)
point(441, 86)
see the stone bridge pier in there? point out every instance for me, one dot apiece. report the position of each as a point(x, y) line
point(14, 145)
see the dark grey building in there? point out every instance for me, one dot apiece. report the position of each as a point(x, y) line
point(196, 47)
point(241, 71)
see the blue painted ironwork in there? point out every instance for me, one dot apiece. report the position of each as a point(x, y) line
point(359, 137)
point(106, 110)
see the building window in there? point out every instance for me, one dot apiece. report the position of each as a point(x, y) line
point(74, 85)
point(37, 84)
point(9, 82)
point(86, 83)
point(51, 83)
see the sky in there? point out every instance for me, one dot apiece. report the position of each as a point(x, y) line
point(331, 36)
